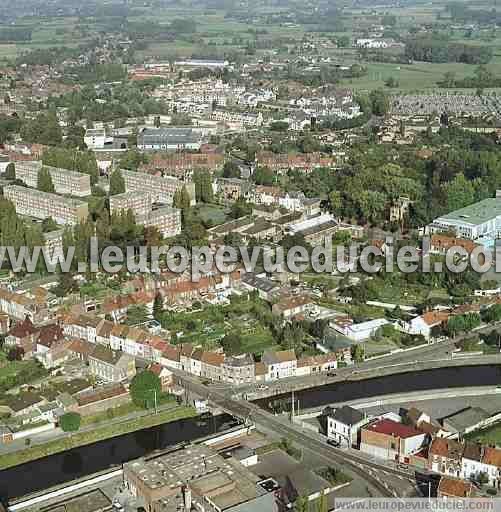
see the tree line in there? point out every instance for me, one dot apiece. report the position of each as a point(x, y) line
point(435, 49)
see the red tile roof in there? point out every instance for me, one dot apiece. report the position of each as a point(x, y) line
point(50, 334)
point(454, 487)
point(22, 329)
point(392, 428)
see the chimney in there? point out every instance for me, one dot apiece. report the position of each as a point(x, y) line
point(187, 498)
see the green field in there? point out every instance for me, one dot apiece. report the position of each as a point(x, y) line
point(214, 213)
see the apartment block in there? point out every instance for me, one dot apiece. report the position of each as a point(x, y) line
point(43, 205)
point(162, 189)
point(65, 181)
point(167, 220)
point(139, 202)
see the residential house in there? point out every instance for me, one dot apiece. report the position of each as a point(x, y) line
point(185, 356)
point(51, 348)
point(266, 195)
point(19, 306)
point(266, 288)
point(231, 189)
point(195, 367)
point(57, 354)
point(454, 488)
point(312, 365)
point(291, 306)
point(48, 336)
point(171, 356)
point(471, 462)
point(83, 326)
point(238, 369)
point(81, 349)
point(440, 244)
point(111, 365)
point(280, 365)
point(445, 456)
point(388, 439)
point(165, 376)
point(23, 335)
point(211, 365)
point(492, 464)
point(427, 324)
point(344, 424)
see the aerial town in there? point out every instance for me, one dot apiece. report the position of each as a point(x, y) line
point(248, 255)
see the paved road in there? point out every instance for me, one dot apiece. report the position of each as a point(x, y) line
point(427, 356)
point(377, 474)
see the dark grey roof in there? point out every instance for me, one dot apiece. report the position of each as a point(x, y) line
point(466, 418)
point(260, 283)
point(167, 136)
point(347, 415)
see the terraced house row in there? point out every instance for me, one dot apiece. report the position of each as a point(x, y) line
point(213, 365)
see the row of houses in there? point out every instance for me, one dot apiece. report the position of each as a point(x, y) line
point(213, 365)
point(414, 438)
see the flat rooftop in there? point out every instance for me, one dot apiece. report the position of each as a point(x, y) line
point(475, 214)
point(93, 501)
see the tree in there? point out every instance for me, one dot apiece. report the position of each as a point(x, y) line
point(357, 353)
point(182, 199)
point(143, 387)
point(117, 183)
point(263, 176)
point(232, 344)
point(391, 82)
point(70, 422)
point(44, 129)
point(231, 170)
point(380, 103)
point(10, 171)
point(44, 181)
point(301, 504)
point(492, 314)
point(158, 307)
point(137, 314)
point(240, 208)
point(335, 201)
point(343, 41)
point(460, 192)
point(15, 353)
point(203, 186)
point(65, 285)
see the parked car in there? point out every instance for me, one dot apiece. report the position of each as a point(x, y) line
point(334, 443)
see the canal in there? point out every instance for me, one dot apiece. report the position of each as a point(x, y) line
point(62, 467)
point(438, 378)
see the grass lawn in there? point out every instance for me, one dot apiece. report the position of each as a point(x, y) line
point(491, 436)
point(216, 214)
point(13, 367)
point(98, 434)
point(375, 348)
